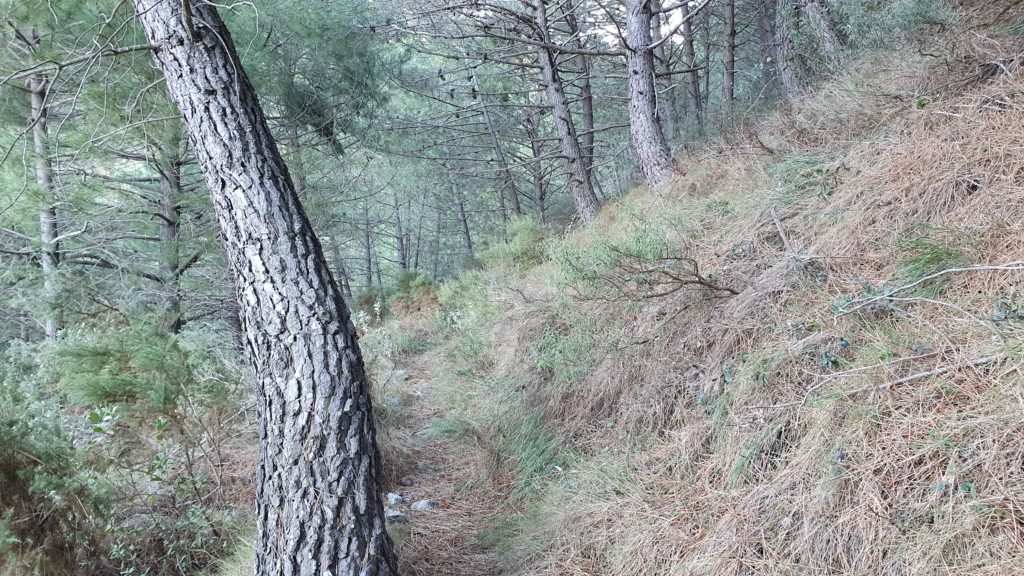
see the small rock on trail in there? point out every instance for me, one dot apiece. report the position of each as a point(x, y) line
point(395, 516)
point(424, 505)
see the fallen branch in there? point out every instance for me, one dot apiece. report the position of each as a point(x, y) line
point(1018, 265)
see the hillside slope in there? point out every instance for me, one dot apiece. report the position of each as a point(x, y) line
point(801, 358)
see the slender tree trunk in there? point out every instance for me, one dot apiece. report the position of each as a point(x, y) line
point(581, 187)
point(319, 508)
point(532, 124)
point(368, 247)
point(400, 244)
point(690, 57)
point(652, 150)
point(435, 263)
point(582, 82)
point(467, 239)
point(729, 55)
point(168, 167)
point(666, 95)
point(508, 180)
point(705, 24)
point(377, 271)
point(298, 167)
point(344, 281)
point(49, 252)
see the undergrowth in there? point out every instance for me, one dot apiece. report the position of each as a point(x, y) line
point(836, 396)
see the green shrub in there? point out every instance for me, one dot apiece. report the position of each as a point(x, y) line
point(525, 446)
point(134, 365)
point(523, 248)
point(138, 366)
point(877, 24)
point(803, 175)
point(55, 506)
point(588, 264)
point(369, 306)
point(567, 350)
point(413, 292)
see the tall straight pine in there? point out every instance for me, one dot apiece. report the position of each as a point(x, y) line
point(319, 509)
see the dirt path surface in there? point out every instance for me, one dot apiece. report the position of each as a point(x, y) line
point(446, 466)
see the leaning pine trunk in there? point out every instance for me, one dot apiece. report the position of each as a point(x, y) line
point(580, 184)
point(651, 148)
point(319, 509)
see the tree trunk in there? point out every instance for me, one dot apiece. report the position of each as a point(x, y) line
point(582, 82)
point(435, 262)
point(49, 251)
point(367, 247)
point(380, 275)
point(789, 65)
point(532, 124)
point(346, 284)
point(652, 150)
point(419, 242)
point(508, 180)
point(825, 33)
point(690, 57)
point(319, 508)
point(168, 167)
point(705, 23)
point(581, 187)
point(729, 56)
point(400, 244)
point(666, 95)
point(467, 240)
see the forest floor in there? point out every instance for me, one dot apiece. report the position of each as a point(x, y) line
point(447, 464)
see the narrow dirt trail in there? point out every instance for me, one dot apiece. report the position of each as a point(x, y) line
point(449, 469)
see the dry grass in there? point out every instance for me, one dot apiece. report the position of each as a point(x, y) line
point(817, 422)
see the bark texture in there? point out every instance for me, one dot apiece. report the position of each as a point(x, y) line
point(789, 65)
point(652, 149)
point(825, 32)
point(729, 54)
point(581, 188)
point(319, 509)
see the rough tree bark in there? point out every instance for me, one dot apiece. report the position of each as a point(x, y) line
point(729, 55)
point(581, 187)
point(789, 65)
point(825, 32)
point(652, 150)
point(319, 508)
